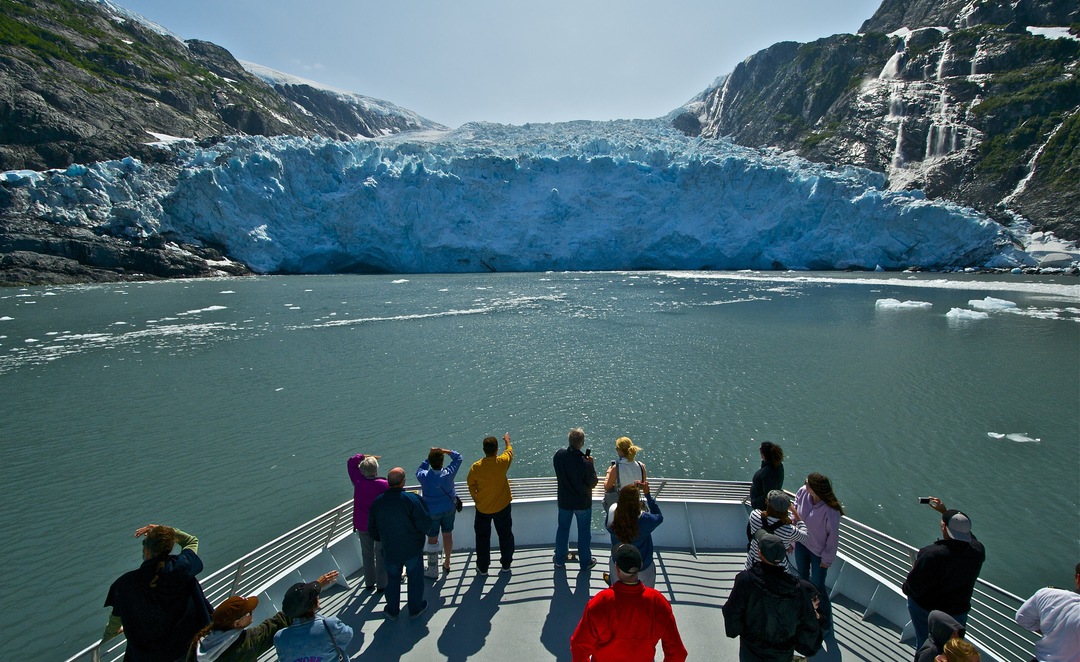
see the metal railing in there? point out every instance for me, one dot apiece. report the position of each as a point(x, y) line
point(884, 558)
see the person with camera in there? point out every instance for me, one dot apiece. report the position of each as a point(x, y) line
point(944, 573)
point(440, 497)
point(575, 476)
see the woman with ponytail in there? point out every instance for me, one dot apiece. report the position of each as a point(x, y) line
point(159, 606)
point(624, 470)
point(820, 509)
point(629, 523)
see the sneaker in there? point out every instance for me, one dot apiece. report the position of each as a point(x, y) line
point(590, 565)
point(481, 572)
point(388, 615)
point(559, 563)
point(423, 608)
point(505, 570)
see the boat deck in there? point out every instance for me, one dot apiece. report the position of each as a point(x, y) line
point(530, 613)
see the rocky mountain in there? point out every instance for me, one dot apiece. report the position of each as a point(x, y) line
point(85, 80)
point(975, 101)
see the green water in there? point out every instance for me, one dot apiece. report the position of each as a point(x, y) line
point(227, 408)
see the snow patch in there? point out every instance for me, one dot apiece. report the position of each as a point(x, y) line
point(1052, 32)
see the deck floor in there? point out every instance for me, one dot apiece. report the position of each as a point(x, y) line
point(530, 613)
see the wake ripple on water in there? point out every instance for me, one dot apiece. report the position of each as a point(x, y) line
point(508, 304)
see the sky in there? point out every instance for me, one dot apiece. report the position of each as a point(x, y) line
point(511, 62)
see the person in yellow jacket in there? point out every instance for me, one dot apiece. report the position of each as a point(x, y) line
point(490, 491)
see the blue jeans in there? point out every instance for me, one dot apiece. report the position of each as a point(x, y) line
point(415, 568)
point(504, 528)
point(809, 566)
point(584, 535)
point(920, 620)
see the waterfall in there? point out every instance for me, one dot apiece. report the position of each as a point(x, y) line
point(892, 68)
point(1031, 164)
point(898, 154)
point(941, 62)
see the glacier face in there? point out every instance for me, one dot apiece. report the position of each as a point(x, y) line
point(572, 196)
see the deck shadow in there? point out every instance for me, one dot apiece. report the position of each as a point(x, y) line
point(565, 610)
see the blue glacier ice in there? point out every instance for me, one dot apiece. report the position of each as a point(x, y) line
point(631, 194)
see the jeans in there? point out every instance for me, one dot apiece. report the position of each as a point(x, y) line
point(584, 535)
point(809, 566)
point(415, 569)
point(920, 621)
point(504, 528)
point(374, 565)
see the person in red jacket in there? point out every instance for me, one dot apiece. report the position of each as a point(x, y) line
point(624, 621)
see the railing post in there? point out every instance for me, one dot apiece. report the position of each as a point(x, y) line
point(333, 530)
point(236, 579)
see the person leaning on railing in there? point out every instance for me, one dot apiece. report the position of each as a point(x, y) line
point(159, 606)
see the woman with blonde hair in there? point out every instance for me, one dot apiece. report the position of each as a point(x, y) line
point(629, 523)
point(623, 471)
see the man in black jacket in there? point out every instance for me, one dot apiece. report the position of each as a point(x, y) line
point(576, 477)
point(772, 612)
point(944, 574)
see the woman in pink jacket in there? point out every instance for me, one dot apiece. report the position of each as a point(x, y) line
point(819, 508)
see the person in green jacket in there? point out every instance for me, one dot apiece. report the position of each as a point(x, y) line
point(227, 640)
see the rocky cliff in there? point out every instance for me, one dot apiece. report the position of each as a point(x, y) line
point(973, 101)
point(84, 81)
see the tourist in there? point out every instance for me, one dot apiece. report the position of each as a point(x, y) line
point(769, 477)
point(490, 490)
point(629, 523)
point(159, 606)
point(364, 474)
point(1054, 613)
point(780, 519)
point(310, 637)
point(943, 576)
point(624, 470)
point(624, 622)
point(941, 628)
point(400, 521)
point(575, 476)
point(771, 611)
point(820, 510)
point(439, 495)
point(226, 640)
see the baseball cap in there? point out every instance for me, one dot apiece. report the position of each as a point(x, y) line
point(628, 558)
point(958, 524)
point(772, 547)
point(233, 609)
point(299, 599)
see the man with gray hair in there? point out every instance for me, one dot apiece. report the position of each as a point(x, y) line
point(400, 521)
point(576, 477)
point(944, 573)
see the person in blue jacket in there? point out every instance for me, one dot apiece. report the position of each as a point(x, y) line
point(628, 522)
point(440, 497)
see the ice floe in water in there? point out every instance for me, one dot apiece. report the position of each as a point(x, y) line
point(896, 304)
point(965, 314)
point(990, 303)
point(1018, 437)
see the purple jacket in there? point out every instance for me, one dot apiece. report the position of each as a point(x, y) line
point(822, 525)
point(364, 492)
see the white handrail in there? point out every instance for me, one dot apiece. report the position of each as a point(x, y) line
point(887, 559)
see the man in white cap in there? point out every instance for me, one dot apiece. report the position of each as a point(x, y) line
point(624, 621)
point(944, 574)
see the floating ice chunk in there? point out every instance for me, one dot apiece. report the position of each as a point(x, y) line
point(227, 292)
point(896, 304)
point(5, 318)
point(964, 314)
point(200, 310)
point(1021, 438)
point(990, 303)
point(996, 435)
point(399, 281)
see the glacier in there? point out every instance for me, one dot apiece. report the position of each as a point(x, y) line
point(626, 194)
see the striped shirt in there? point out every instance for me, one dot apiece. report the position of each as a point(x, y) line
point(788, 533)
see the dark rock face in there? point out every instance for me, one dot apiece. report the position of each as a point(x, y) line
point(79, 84)
point(970, 106)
